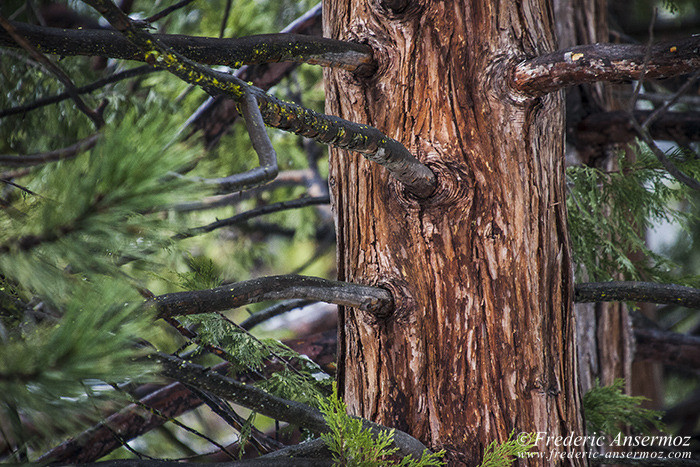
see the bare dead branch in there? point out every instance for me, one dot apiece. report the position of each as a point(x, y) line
point(374, 300)
point(18, 39)
point(260, 211)
point(233, 52)
point(369, 141)
point(51, 156)
point(261, 144)
point(649, 292)
point(122, 75)
point(604, 62)
point(170, 401)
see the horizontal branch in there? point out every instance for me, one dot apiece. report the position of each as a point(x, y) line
point(374, 300)
point(232, 52)
point(51, 156)
point(264, 403)
point(649, 292)
point(259, 211)
point(604, 62)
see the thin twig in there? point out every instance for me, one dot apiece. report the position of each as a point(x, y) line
point(122, 75)
point(166, 11)
point(260, 211)
point(677, 95)
point(665, 162)
point(647, 55)
point(224, 19)
point(94, 116)
point(275, 310)
point(51, 156)
point(283, 179)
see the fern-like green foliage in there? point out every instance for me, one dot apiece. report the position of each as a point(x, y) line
point(609, 213)
point(607, 410)
point(504, 454)
point(352, 445)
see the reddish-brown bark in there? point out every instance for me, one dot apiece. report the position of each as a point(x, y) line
point(482, 340)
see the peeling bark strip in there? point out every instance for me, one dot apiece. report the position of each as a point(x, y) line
point(650, 292)
point(374, 300)
point(604, 62)
point(369, 141)
point(233, 52)
point(482, 338)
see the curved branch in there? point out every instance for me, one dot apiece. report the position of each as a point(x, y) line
point(650, 292)
point(261, 144)
point(604, 62)
point(374, 300)
point(51, 156)
point(266, 404)
point(233, 52)
point(369, 141)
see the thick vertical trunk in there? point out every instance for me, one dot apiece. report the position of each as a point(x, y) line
point(482, 340)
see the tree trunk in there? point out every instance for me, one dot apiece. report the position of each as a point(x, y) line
point(482, 340)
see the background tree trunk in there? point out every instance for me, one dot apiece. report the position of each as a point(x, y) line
point(482, 341)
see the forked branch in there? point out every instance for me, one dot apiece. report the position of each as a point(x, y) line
point(372, 143)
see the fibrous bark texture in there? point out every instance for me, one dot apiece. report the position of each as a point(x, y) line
point(482, 338)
